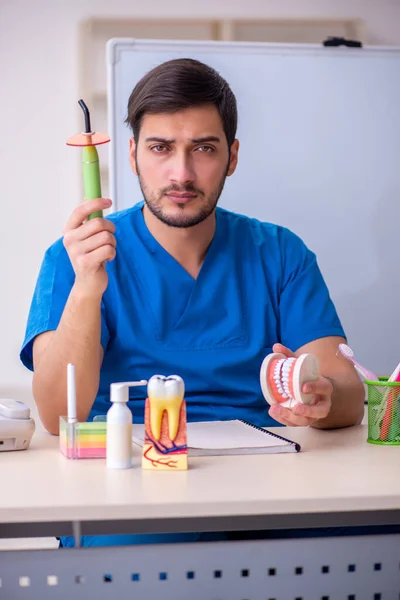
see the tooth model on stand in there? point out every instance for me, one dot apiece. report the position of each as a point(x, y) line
point(165, 441)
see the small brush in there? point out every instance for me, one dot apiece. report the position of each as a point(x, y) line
point(348, 353)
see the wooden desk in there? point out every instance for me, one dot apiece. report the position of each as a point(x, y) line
point(337, 479)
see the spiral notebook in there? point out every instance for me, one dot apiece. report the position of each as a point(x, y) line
point(216, 438)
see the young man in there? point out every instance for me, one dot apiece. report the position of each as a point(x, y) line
point(177, 285)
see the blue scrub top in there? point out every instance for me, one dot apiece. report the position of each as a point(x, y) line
point(259, 284)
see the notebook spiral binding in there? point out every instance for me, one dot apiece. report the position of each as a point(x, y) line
point(267, 432)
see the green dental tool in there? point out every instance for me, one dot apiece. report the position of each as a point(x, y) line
point(88, 140)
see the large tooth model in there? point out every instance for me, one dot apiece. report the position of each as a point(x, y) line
point(165, 443)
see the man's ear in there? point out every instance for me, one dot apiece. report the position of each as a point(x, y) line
point(233, 158)
point(132, 154)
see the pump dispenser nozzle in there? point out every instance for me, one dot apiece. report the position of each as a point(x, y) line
point(120, 390)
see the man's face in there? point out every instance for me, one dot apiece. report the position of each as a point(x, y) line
point(182, 160)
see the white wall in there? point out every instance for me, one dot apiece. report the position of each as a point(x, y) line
point(40, 175)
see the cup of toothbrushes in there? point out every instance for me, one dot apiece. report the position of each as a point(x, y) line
point(383, 412)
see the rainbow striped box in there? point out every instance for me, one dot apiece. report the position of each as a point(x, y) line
point(83, 440)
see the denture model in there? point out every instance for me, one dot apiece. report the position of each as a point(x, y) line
point(282, 378)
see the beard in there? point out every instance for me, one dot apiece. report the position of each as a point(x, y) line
point(208, 205)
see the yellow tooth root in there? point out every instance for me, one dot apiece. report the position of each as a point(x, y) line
point(157, 407)
point(173, 410)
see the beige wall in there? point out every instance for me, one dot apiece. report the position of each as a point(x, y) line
point(40, 175)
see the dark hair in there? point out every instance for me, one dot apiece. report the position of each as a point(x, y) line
point(178, 84)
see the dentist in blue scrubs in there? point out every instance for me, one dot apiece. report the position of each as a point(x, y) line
point(176, 284)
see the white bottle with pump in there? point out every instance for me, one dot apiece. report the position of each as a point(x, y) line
point(119, 426)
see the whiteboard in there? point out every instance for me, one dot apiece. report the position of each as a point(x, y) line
point(319, 132)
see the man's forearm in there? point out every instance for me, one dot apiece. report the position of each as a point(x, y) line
point(347, 403)
point(76, 340)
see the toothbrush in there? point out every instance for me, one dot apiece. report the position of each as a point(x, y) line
point(348, 353)
point(387, 419)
